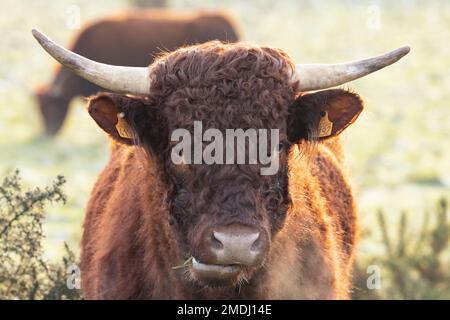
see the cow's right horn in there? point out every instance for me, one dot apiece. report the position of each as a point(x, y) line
point(323, 76)
point(134, 80)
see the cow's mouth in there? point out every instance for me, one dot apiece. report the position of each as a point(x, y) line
point(215, 272)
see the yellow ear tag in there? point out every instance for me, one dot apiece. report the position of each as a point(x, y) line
point(325, 126)
point(122, 127)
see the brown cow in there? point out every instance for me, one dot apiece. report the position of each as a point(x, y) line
point(156, 228)
point(131, 39)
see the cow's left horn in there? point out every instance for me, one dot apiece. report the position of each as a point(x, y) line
point(134, 80)
point(322, 76)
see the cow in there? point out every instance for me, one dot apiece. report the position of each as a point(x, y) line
point(129, 39)
point(156, 228)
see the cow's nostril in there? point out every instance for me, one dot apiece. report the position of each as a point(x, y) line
point(258, 245)
point(215, 243)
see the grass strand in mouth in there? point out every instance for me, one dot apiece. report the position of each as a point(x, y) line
point(184, 265)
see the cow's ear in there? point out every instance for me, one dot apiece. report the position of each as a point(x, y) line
point(129, 120)
point(323, 114)
point(108, 113)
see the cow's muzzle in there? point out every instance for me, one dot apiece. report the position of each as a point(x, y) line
point(224, 252)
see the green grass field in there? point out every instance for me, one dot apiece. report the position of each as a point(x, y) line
point(398, 151)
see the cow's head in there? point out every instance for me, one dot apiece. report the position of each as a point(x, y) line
point(225, 214)
point(53, 106)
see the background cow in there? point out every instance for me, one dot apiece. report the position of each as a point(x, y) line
point(236, 233)
point(132, 39)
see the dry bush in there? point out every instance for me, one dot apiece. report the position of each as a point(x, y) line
point(24, 273)
point(415, 265)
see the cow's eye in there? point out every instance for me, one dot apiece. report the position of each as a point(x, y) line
point(282, 145)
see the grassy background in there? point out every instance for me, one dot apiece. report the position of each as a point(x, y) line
point(398, 150)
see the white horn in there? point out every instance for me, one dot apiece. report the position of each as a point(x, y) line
point(134, 80)
point(322, 76)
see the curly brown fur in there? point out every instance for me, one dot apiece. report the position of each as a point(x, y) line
point(145, 213)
